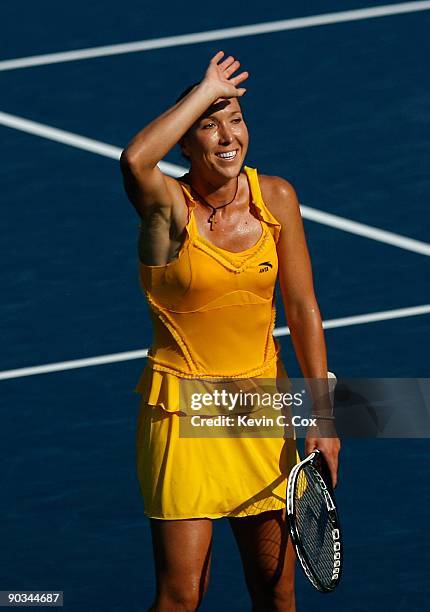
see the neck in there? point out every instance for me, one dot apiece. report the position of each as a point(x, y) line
point(214, 189)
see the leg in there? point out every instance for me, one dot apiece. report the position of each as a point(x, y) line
point(182, 554)
point(268, 560)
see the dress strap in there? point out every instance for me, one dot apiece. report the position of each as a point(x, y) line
point(190, 200)
point(191, 204)
point(263, 212)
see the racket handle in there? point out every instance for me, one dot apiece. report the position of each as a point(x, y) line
point(332, 381)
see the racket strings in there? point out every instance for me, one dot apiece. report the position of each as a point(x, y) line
point(314, 525)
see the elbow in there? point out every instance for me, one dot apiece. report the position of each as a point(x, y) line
point(132, 163)
point(126, 161)
point(129, 164)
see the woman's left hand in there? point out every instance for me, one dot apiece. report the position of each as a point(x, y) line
point(329, 446)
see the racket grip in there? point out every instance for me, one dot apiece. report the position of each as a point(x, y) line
point(332, 381)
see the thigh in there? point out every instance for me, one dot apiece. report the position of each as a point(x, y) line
point(182, 554)
point(266, 551)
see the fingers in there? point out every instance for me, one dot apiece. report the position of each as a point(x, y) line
point(230, 65)
point(333, 465)
point(217, 57)
point(225, 63)
point(330, 448)
point(331, 455)
point(221, 73)
point(239, 78)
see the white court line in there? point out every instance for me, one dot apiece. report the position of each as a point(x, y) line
point(367, 231)
point(280, 331)
point(211, 35)
point(74, 140)
point(371, 317)
point(73, 364)
point(312, 214)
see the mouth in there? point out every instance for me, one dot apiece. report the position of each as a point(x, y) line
point(228, 156)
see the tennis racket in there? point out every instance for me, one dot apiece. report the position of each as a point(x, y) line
point(314, 523)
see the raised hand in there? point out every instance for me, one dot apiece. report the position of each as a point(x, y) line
point(219, 77)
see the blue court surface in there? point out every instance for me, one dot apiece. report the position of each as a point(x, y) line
point(339, 108)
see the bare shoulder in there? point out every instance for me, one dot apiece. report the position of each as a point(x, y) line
point(280, 197)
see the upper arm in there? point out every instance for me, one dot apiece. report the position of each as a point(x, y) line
point(149, 188)
point(295, 269)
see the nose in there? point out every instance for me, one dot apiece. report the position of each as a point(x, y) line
point(225, 134)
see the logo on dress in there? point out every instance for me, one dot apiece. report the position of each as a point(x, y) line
point(265, 266)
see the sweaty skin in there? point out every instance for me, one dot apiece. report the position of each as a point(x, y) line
point(207, 121)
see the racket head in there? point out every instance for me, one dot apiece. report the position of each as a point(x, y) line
point(313, 522)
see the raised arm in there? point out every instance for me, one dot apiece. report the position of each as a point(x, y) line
point(145, 184)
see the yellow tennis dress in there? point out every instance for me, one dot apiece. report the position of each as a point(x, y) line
point(213, 314)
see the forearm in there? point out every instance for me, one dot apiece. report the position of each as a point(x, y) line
point(308, 340)
point(155, 140)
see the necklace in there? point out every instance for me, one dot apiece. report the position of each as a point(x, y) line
point(211, 218)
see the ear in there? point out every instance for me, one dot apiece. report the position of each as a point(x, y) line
point(184, 146)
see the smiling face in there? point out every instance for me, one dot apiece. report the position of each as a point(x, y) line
point(218, 141)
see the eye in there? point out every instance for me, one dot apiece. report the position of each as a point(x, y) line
point(237, 120)
point(207, 125)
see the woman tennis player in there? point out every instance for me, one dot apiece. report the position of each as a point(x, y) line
point(211, 247)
